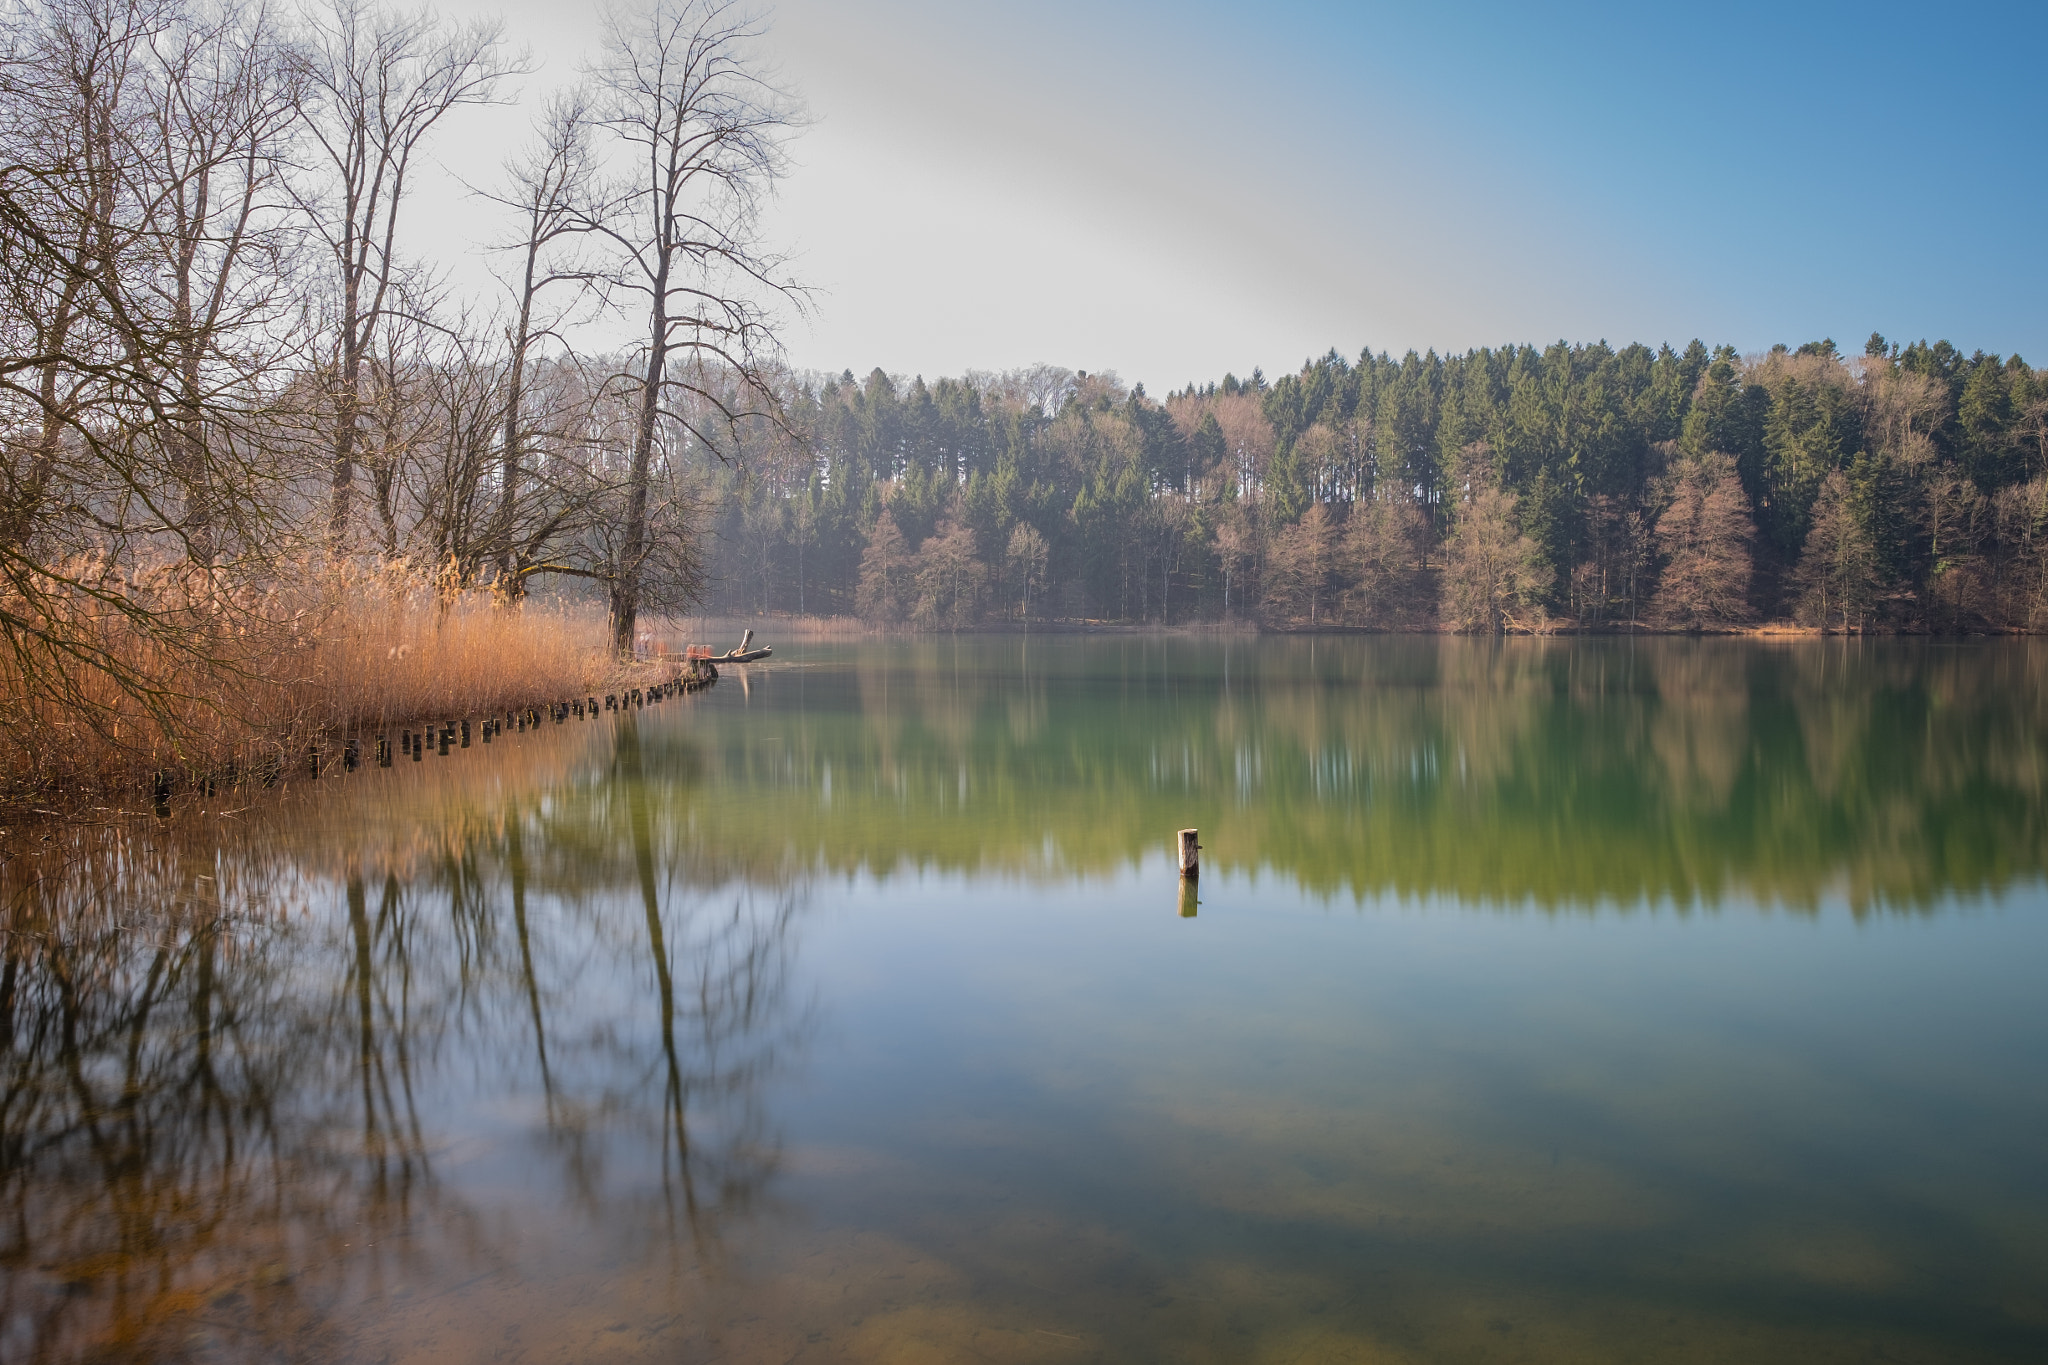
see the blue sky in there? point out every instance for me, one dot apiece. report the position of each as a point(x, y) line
point(1172, 191)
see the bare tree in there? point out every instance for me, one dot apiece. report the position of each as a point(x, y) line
point(886, 567)
point(69, 91)
point(699, 133)
point(1174, 528)
point(949, 579)
point(1027, 554)
point(462, 395)
point(1380, 544)
point(1490, 568)
point(1838, 573)
point(377, 83)
point(1302, 567)
point(546, 189)
point(1704, 539)
point(124, 336)
point(218, 102)
point(1237, 546)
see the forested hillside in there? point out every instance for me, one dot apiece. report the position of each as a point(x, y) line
point(1575, 486)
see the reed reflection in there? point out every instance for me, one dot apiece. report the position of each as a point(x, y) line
point(257, 1082)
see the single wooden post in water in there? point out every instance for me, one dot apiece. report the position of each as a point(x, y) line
point(1190, 854)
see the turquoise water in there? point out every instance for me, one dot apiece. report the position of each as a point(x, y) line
point(1541, 1001)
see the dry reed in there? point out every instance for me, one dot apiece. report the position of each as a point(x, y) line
point(205, 682)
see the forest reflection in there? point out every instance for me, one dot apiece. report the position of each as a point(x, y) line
point(239, 1068)
point(1557, 773)
point(294, 1072)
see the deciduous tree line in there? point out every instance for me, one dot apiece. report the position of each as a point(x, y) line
point(1567, 487)
point(223, 363)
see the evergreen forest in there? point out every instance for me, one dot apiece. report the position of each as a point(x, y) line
point(1569, 487)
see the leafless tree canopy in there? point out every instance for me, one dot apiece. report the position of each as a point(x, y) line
point(698, 133)
point(223, 362)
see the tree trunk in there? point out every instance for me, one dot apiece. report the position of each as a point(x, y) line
point(344, 460)
point(633, 545)
point(515, 386)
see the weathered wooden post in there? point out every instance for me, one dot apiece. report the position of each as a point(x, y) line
point(1190, 855)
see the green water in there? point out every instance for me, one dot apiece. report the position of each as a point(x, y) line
point(1540, 1001)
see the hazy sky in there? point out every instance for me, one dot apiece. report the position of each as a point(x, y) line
point(1172, 191)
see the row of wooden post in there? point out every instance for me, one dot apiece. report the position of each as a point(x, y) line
point(454, 734)
point(450, 734)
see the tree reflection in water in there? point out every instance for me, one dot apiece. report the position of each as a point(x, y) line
point(466, 1045)
point(243, 1098)
point(1563, 774)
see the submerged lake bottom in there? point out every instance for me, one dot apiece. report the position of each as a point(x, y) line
point(1538, 1001)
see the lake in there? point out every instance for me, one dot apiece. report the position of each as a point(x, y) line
point(1573, 1000)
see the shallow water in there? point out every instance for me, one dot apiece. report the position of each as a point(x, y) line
point(1540, 1001)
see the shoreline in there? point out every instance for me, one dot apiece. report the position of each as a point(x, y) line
point(819, 629)
point(363, 744)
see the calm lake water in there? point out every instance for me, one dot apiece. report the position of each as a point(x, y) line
point(1596, 1001)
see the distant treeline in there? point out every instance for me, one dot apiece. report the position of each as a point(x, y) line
point(1574, 486)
